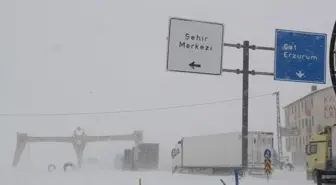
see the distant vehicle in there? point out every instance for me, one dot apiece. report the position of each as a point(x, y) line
point(219, 152)
point(144, 157)
point(147, 158)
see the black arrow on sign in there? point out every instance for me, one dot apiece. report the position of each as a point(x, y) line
point(193, 65)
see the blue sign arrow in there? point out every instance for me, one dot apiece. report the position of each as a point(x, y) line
point(267, 153)
point(300, 56)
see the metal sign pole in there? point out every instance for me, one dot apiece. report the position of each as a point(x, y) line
point(279, 135)
point(245, 94)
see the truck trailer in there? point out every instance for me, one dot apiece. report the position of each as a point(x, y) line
point(144, 157)
point(219, 152)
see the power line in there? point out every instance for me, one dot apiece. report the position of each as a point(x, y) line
point(131, 110)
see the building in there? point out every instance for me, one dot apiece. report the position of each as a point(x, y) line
point(308, 115)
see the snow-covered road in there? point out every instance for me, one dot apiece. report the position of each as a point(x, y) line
point(93, 177)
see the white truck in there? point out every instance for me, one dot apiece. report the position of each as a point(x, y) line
point(219, 152)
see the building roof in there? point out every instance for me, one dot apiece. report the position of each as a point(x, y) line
point(309, 94)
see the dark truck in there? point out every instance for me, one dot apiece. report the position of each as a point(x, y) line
point(148, 157)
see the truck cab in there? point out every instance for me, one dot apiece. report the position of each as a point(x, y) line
point(176, 155)
point(318, 151)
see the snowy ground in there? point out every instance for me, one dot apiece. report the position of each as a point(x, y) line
point(100, 177)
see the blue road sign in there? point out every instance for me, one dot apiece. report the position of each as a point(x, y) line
point(267, 153)
point(300, 56)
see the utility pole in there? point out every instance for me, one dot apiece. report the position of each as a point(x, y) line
point(245, 93)
point(279, 136)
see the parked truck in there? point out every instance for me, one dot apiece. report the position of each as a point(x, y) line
point(219, 152)
point(321, 156)
point(144, 157)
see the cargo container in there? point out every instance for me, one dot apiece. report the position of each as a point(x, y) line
point(219, 152)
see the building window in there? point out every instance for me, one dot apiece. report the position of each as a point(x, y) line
point(286, 117)
point(290, 141)
point(312, 102)
point(312, 120)
point(305, 104)
point(301, 124)
point(306, 124)
point(298, 142)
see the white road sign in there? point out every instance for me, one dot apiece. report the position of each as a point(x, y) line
point(195, 46)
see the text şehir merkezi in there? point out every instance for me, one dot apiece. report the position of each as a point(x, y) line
point(201, 45)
